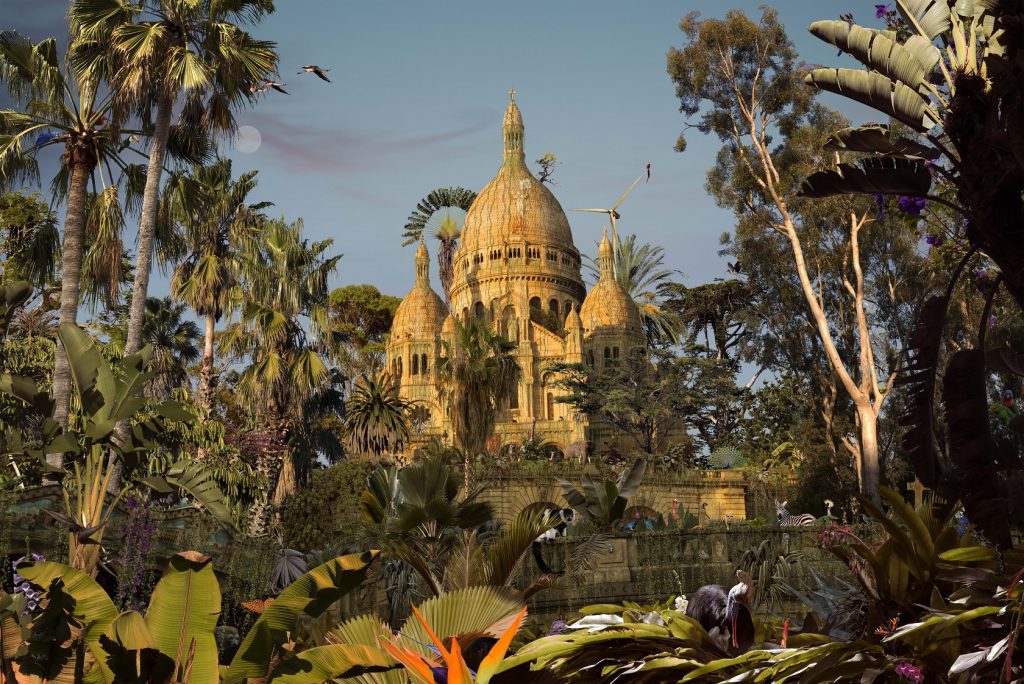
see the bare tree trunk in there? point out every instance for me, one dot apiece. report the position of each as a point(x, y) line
point(258, 512)
point(70, 292)
point(868, 469)
point(147, 224)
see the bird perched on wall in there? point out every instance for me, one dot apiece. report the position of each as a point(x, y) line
point(314, 69)
point(726, 613)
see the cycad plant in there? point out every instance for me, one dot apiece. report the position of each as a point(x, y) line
point(377, 417)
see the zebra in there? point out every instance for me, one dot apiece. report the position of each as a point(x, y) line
point(787, 520)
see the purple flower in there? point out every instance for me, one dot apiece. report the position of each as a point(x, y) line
point(910, 205)
point(992, 321)
point(557, 627)
point(882, 10)
point(911, 673)
point(934, 240)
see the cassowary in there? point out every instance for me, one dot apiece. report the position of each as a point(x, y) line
point(726, 613)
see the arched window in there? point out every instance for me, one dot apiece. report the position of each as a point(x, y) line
point(568, 307)
point(615, 357)
point(478, 310)
point(590, 358)
point(551, 406)
point(423, 363)
point(399, 366)
point(607, 357)
point(465, 315)
point(415, 364)
point(535, 303)
point(553, 306)
point(513, 398)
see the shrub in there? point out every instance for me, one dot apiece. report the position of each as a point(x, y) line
point(327, 510)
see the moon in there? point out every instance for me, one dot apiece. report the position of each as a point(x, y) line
point(248, 139)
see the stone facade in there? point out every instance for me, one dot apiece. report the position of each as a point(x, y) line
point(518, 269)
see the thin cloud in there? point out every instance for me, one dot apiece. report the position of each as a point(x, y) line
point(318, 148)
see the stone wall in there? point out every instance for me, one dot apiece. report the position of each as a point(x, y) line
point(716, 493)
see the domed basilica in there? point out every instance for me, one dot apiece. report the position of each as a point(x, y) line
point(517, 268)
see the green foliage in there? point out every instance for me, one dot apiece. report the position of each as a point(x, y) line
point(325, 511)
point(377, 416)
point(310, 595)
point(603, 504)
point(650, 396)
point(360, 319)
point(29, 239)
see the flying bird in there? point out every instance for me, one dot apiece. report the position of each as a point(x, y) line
point(648, 173)
point(314, 69)
point(726, 615)
point(279, 87)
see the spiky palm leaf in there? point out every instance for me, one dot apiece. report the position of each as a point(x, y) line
point(377, 417)
point(439, 201)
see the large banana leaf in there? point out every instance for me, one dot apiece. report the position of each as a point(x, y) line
point(931, 15)
point(890, 97)
point(883, 175)
point(93, 607)
point(13, 296)
point(316, 665)
point(310, 594)
point(875, 139)
point(630, 480)
point(196, 480)
point(908, 64)
point(183, 611)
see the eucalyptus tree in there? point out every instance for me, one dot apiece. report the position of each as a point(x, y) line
point(58, 106)
point(640, 269)
point(477, 372)
point(741, 80)
point(211, 215)
point(170, 51)
point(282, 285)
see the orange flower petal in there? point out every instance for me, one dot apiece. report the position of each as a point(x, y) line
point(497, 652)
point(433, 637)
point(412, 661)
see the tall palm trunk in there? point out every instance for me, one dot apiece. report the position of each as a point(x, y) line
point(71, 286)
point(144, 258)
point(205, 390)
point(147, 224)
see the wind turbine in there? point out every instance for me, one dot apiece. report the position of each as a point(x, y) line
point(613, 215)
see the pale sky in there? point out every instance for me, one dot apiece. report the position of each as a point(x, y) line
point(416, 104)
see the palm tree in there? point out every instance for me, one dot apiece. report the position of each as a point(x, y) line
point(59, 106)
point(210, 211)
point(446, 207)
point(29, 240)
point(283, 281)
point(376, 416)
point(639, 268)
point(477, 372)
point(170, 48)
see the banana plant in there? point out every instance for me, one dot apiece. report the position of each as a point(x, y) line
point(107, 394)
point(604, 503)
point(268, 650)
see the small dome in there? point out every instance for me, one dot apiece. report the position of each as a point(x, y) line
point(421, 314)
point(449, 325)
point(608, 305)
point(515, 206)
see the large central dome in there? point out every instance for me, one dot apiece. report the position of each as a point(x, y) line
point(515, 207)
